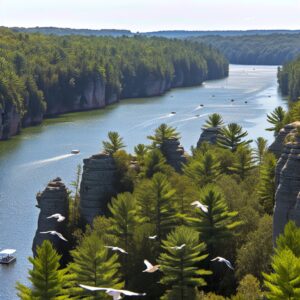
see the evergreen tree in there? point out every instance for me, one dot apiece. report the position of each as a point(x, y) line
point(214, 120)
point(46, 278)
point(180, 267)
point(231, 137)
point(217, 224)
point(140, 151)
point(93, 265)
point(266, 188)
point(162, 133)
point(114, 143)
point(203, 169)
point(276, 118)
point(284, 281)
point(261, 149)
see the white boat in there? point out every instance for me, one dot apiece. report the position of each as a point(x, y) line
point(75, 151)
point(6, 256)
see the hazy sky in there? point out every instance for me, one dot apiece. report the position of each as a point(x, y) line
point(142, 15)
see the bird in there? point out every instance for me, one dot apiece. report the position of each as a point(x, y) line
point(198, 204)
point(222, 259)
point(116, 294)
point(55, 233)
point(178, 247)
point(150, 268)
point(59, 217)
point(113, 248)
point(152, 237)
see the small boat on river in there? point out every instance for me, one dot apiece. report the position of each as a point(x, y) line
point(6, 256)
point(75, 151)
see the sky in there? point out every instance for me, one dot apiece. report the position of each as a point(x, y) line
point(144, 15)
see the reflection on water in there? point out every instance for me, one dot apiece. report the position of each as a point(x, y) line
point(29, 161)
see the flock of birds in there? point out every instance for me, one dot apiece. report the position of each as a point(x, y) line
point(150, 268)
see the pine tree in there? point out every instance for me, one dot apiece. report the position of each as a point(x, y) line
point(140, 151)
point(203, 169)
point(261, 149)
point(162, 133)
point(114, 143)
point(266, 187)
point(46, 278)
point(93, 265)
point(284, 281)
point(180, 268)
point(214, 120)
point(217, 224)
point(231, 137)
point(276, 118)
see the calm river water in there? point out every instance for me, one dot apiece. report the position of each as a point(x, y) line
point(29, 161)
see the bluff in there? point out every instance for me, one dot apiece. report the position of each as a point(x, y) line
point(209, 135)
point(54, 199)
point(287, 205)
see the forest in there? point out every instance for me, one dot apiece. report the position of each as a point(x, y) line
point(269, 49)
point(46, 75)
point(205, 229)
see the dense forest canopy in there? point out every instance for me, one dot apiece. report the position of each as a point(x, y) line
point(39, 72)
point(270, 49)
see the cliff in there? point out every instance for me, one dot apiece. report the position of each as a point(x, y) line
point(10, 122)
point(209, 135)
point(97, 186)
point(54, 199)
point(287, 205)
point(174, 153)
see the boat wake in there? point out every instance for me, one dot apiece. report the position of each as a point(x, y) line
point(189, 119)
point(48, 160)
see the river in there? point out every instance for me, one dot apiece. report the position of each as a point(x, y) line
point(30, 160)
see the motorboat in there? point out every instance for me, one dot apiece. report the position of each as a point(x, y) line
point(173, 112)
point(6, 256)
point(75, 151)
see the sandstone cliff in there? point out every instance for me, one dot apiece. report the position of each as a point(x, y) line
point(54, 199)
point(174, 153)
point(287, 206)
point(97, 186)
point(10, 122)
point(209, 135)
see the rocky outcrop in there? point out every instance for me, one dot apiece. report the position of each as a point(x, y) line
point(97, 186)
point(10, 122)
point(174, 153)
point(277, 146)
point(54, 199)
point(287, 206)
point(209, 135)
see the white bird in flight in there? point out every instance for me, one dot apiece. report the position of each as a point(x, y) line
point(55, 233)
point(59, 217)
point(150, 268)
point(198, 204)
point(222, 259)
point(116, 294)
point(152, 237)
point(178, 247)
point(113, 248)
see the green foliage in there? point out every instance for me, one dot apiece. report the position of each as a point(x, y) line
point(162, 133)
point(276, 118)
point(231, 137)
point(180, 268)
point(114, 143)
point(214, 120)
point(248, 289)
point(261, 149)
point(45, 277)
point(140, 151)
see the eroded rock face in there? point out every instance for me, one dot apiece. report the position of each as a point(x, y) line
point(174, 153)
point(54, 199)
point(288, 181)
point(10, 122)
point(277, 146)
point(209, 135)
point(97, 186)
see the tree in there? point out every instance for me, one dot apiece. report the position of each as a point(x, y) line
point(181, 267)
point(231, 137)
point(114, 143)
point(284, 281)
point(276, 118)
point(162, 133)
point(214, 120)
point(217, 224)
point(203, 169)
point(261, 149)
point(140, 151)
point(93, 266)
point(248, 289)
point(266, 187)
point(45, 277)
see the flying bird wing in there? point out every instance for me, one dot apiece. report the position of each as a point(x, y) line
point(196, 203)
point(45, 232)
point(61, 236)
point(93, 288)
point(216, 258)
point(129, 293)
point(148, 264)
point(228, 263)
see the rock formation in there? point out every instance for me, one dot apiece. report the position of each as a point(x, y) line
point(174, 153)
point(54, 199)
point(97, 186)
point(209, 135)
point(287, 205)
point(277, 146)
point(10, 122)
